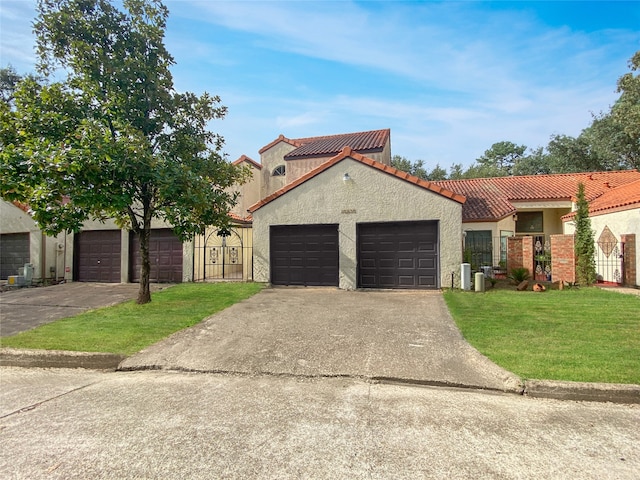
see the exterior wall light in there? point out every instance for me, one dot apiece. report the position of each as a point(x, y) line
point(346, 178)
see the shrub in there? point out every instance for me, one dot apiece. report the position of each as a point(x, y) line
point(519, 274)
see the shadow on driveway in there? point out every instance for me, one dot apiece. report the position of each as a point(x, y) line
point(384, 335)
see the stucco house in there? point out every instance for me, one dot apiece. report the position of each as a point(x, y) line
point(534, 205)
point(354, 222)
point(615, 220)
point(100, 252)
point(336, 201)
point(22, 242)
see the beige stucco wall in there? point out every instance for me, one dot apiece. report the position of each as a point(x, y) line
point(270, 159)
point(298, 167)
point(371, 196)
point(497, 229)
point(551, 216)
point(44, 251)
point(249, 192)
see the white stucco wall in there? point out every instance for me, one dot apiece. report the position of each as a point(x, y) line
point(371, 196)
point(620, 223)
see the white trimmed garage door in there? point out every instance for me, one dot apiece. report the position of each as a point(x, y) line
point(304, 255)
point(398, 255)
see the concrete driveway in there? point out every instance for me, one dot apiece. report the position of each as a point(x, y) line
point(26, 308)
point(385, 335)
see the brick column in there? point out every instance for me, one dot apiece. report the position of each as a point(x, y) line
point(563, 258)
point(520, 253)
point(527, 255)
point(629, 260)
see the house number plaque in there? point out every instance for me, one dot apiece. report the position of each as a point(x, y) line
point(349, 210)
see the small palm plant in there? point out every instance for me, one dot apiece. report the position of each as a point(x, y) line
point(519, 275)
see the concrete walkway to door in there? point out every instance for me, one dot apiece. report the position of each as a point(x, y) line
point(387, 335)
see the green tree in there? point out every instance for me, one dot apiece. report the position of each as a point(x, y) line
point(9, 79)
point(115, 139)
point(438, 173)
point(535, 163)
point(584, 241)
point(456, 172)
point(414, 168)
point(500, 159)
point(570, 154)
point(626, 113)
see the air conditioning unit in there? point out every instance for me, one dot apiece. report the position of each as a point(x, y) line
point(16, 280)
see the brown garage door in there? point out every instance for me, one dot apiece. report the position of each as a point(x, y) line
point(304, 255)
point(398, 255)
point(165, 255)
point(14, 253)
point(97, 256)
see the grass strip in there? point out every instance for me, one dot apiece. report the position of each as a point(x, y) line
point(585, 335)
point(127, 328)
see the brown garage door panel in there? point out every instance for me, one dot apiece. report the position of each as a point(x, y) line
point(165, 256)
point(304, 255)
point(97, 256)
point(14, 253)
point(398, 255)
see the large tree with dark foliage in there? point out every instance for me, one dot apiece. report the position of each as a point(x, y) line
point(114, 139)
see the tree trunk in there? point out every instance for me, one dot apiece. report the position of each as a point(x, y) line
point(144, 293)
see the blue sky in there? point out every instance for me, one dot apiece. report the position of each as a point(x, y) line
point(448, 78)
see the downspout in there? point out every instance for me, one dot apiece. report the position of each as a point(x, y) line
point(43, 257)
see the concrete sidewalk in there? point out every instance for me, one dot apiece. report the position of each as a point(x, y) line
point(395, 336)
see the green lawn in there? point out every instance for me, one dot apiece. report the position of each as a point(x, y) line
point(586, 335)
point(128, 328)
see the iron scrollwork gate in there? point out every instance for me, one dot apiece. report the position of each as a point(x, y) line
point(542, 258)
point(220, 256)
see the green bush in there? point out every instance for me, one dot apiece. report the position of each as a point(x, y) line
point(519, 274)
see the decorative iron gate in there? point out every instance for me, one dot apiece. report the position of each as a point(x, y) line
point(220, 255)
point(542, 258)
point(610, 262)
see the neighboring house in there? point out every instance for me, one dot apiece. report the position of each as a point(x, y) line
point(21, 242)
point(534, 205)
point(353, 222)
point(282, 161)
point(615, 220)
point(100, 252)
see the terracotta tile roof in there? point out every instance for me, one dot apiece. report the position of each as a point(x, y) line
point(281, 138)
point(348, 152)
point(330, 145)
point(237, 218)
point(244, 158)
point(625, 197)
point(490, 199)
point(22, 206)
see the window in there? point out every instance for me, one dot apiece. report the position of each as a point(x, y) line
point(478, 248)
point(279, 171)
point(529, 222)
point(504, 234)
